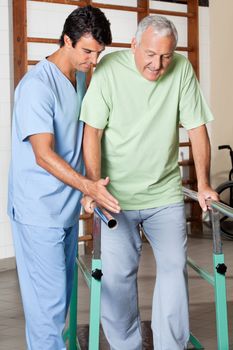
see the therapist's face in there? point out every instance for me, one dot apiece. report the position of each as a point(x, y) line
point(85, 53)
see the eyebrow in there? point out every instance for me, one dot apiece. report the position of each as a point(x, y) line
point(84, 48)
point(164, 54)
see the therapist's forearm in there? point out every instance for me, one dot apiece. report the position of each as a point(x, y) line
point(58, 167)
point(48, 159)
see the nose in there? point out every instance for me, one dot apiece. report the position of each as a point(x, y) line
point(157, 62)
point(94, 57)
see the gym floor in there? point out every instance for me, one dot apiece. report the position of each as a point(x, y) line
point(202, 307)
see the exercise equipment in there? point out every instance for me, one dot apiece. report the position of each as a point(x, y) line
point(93, 280)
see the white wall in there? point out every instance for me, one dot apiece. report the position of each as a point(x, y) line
point(6, 246)
point(52, 17)
point(221, 20)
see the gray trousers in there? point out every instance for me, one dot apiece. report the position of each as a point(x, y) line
point(165, 229)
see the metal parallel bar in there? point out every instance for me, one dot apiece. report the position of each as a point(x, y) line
point(95, 307)
point(73, 312)
point(218, 280)
point(84, 271)
point(71, 344)
point(66, 335)
point(222, 208)
point(203, 273)
point(96, 236)
point(220, 304)
point(195, 342)
point(190, 193)
point(217, 242)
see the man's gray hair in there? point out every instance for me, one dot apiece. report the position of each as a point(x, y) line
point(161, 26)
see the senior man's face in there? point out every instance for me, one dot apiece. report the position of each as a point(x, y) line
point(153, 54)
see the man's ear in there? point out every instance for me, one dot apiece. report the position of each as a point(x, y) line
point(133, 44)
point(67, 41)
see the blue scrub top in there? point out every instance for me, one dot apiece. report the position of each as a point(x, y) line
point(45, 102)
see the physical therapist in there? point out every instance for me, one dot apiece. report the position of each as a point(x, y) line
point(46, 181)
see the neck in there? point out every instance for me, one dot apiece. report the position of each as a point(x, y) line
point(60, 59)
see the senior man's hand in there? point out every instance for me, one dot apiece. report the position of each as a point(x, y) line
point(206, 192)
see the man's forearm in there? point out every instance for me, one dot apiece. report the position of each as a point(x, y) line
point(201, 154)
point(92, 152)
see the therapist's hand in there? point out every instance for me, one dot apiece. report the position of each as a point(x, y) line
point(88, 204)
point(97, 190)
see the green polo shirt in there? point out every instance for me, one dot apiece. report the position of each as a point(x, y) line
point(141, 120)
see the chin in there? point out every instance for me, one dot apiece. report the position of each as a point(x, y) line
point(82, 69)
point(152, 77)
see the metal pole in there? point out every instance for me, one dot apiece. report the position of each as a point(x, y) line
point(215, 221)
point(219, 269)
point(73, 312)
point(220, 283)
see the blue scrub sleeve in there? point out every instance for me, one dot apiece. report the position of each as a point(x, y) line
point(35, 107)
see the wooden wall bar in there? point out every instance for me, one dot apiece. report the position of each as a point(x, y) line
point(193, 55)
point(20, 39)
point(171, 13)
point(193, 35)
point(64, 2)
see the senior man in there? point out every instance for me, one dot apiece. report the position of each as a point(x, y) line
point(134, 105)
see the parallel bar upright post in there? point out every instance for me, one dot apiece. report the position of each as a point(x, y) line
point(73, 312)
point(95, 287)
point(220, 284)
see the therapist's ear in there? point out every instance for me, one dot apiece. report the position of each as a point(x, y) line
point(67, 41)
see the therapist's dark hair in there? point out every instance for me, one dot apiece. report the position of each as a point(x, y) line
point(87, 20)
